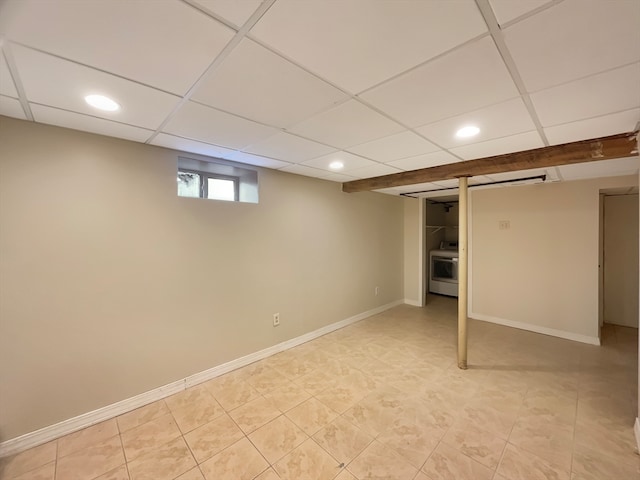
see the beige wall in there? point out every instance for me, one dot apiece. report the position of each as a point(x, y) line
point(412, 248)
point(543, 271)
point(111, 285)
point(621, 260)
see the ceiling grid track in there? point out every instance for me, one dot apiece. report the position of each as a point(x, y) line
point(532, 13)
point(13, 70)
point(229, 47)
point(356, 96)
point(498, 39)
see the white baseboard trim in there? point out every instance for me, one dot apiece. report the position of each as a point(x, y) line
point(537, 329)
point(47, 434)
point(636, 430)
point(414, 303)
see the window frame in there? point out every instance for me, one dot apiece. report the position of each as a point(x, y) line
point(204, 184)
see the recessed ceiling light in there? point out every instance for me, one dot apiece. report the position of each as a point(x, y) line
point(102, 103)
point(336, 165)
point(468, 131)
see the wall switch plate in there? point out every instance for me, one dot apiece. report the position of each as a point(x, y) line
point(377, 290)
point(276, 319)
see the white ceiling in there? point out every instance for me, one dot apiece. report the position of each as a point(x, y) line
point(294, 85)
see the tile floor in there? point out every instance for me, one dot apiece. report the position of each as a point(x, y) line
point(381, 399)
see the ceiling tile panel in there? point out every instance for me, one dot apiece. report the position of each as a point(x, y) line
point(507, 10)
point(7, 87)
point(500, 146)
point(290, 148)
point(424, 161)
point(337, 177)
point(604, 168)
point(304, 170)
point(193, 146)
point(501, 120)
point(350, 162)
point(11, 107)
point(258, 160)
point(209, 125)
point(140, 106)
point(373, 171)
point(613, 124)
point(360, 43)
point(345, 125)
point(165, 44)
point(394, 147)
point(574, 39)
point(608, 92)
point(467, 79)
point(255, 83)
point(235, 11)
point(86, 123)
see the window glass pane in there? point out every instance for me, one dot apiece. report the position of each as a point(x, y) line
point(188, 184)
point(221, 189)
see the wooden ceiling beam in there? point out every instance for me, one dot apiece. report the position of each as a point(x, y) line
point(605, 148)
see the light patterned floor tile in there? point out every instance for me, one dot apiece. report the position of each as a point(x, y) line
point(378, 461)
point(517, 463)
point(165, 462)
point(277, 438)
point(142, 415)
point(341, 397)
point(478, 444)
point(345, 475)
point(343, 440)
point(254, 414)
point(149, 436)
point(240, 461)
point(212, 438)
point(447, 463)
point(28, 460)
point(311, 415)
point(594, 464)
point(414, 435)
point(316, 381)
point(193, 474)
point(268, 475)
point(551, 442)
point(288, 396)
point(267, 380)
point(231, 392)
point(87, 437)
point(197, 414)
point(45, 472)
point(306, 462)
point(91, 462)
point(120, 473)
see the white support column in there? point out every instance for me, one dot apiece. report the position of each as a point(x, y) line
point(462, 272)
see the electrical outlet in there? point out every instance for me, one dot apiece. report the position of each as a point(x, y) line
point(504, 224)
point(276, 319)
point(377, 290)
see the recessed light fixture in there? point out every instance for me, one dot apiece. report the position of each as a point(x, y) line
point(468, 131)
point(336, 165)
point(102, 103)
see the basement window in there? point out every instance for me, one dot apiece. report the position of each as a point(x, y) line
point(208, 185)
point(215, 180)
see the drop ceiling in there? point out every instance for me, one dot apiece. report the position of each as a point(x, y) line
point(380, 85)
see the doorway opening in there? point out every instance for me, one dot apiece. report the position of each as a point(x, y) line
point(441, 245)
point(618, 261)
